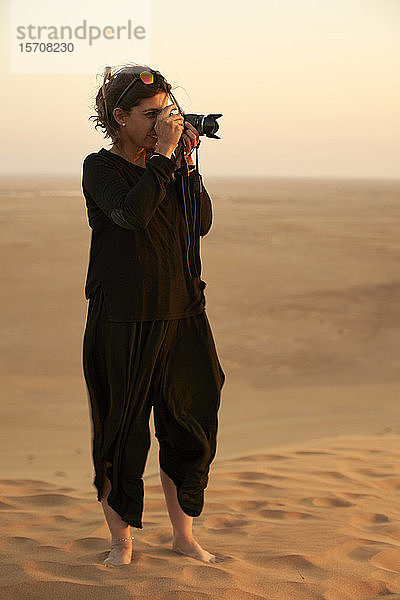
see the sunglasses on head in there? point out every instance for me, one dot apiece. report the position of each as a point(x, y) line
point(146, 77)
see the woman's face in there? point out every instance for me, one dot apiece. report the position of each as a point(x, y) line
point(140, 123)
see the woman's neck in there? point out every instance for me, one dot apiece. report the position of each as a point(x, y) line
point(138, 156)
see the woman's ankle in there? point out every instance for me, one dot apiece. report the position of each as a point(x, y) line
point(183, 536)
point(127, 539)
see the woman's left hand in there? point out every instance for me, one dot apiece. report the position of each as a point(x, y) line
point(190, 138)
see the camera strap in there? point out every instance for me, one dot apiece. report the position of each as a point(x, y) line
point(190, 186)
point(195, 176)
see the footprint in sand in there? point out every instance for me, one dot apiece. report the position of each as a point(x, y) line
point(257, 486)
point(283, 514)
point(24, 483)
point(227, 523)
point(207, 578)
point(334, 475)
point(157, 538)
point(331, 502)
point(244, 475)
point(370, 518)
point(89, 544)
point(389, 483)
point(365, 552)
point(356, 496)
point(372, 472)
point(250, 505)
point(18, 543)
point(261, 458)
point(388, 559)
point(312, 453)
point(45, 500)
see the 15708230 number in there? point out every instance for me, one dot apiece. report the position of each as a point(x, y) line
point(46, 47)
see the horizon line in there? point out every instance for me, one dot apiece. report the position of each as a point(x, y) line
point(221, 175)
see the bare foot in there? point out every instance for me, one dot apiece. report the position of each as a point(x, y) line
point(192, 548)
point(120, 554)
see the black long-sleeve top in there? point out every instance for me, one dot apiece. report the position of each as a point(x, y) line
point(145, 243)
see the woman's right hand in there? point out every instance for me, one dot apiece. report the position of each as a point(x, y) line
point(169, 129)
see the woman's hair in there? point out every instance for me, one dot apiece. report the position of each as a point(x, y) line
point(113, 84)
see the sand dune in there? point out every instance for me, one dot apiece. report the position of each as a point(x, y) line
point(316, 523)
point(303, 497)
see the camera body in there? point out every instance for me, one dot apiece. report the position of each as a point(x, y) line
point(205, 124)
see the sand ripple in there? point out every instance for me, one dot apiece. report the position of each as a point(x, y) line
point(307, 524)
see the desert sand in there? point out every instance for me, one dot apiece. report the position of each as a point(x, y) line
point(303, 500)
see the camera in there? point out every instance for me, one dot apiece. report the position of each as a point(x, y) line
point(205, 124)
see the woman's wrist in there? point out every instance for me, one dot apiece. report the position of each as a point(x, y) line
point(164, 149)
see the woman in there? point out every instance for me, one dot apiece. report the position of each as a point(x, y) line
point(148, 341)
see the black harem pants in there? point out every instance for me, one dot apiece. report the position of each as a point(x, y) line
point(130, 367)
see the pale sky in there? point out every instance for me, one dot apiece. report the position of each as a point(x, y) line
point(307, 88)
